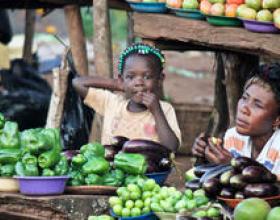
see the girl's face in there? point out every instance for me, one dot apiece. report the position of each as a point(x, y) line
point(140, 75)
point(257, 111)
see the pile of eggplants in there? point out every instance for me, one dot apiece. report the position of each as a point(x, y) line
point(244, 178)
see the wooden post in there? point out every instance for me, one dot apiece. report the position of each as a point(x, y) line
point(237, 67)
point(130, 35)
point(77, 38)
point(102, 39)
point(219, 119)
point(30, 18)
point(102, 53)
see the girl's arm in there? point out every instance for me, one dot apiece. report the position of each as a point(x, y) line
point(166, 136)
point(82, 84)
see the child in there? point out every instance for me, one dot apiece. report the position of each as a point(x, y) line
point(140, 114)
point(256, 134)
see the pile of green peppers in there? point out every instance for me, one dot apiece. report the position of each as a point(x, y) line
point(9, 147)
point(91, 168)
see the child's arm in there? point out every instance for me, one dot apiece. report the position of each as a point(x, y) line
point(166, 136)
point(82, 84)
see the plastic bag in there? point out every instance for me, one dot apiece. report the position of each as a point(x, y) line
point(77, 117)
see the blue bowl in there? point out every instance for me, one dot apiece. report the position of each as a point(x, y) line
point(149, 7)
point(149, 216)
point(159, 177)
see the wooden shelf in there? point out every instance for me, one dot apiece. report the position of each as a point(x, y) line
point(172, 32)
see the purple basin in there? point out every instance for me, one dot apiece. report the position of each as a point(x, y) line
point(260, 26)
point(42, 185)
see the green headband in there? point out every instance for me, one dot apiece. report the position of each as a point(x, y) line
point(139, 48)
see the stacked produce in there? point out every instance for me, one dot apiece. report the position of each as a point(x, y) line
point(90, 167)
point(184, 4)
point(261, 10)
point(41, 153)
point(145, 196)
point(156, 154)
point(245, 178)
point(9, 147)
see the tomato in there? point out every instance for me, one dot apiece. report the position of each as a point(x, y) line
point(149, 185)
point(135, 212)
point(129, 204)
point(139, 204)
point(118, 210)
point(114, 200)
point(174, 3)
point(125, 212)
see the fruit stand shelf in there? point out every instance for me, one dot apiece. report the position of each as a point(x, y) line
point(16, 206)
point(175, 33)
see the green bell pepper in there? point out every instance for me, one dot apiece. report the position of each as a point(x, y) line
point(30, 170)
point(33, 141)
point(48, 172)
point(9, 137)
point(93, 179)
point(2, 120)
point(19, 169)
point(52, 136)
point(96, 165)
point(76, 178)
point(93, 149)
point(131, 179)
point(7, 170)
point(78, 160)
point(61, 168)
point(49, 159)
point(130, 163)
point(28, 158)
point(113, 178)
point(9, 155)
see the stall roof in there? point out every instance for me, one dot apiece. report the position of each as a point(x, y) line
point(23, 4)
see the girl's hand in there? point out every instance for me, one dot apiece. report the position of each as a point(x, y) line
point(199, 146)
point(151, 101)
point(215, 153)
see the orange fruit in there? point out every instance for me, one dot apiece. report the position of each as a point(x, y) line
point(205, 6)
point(230, 10)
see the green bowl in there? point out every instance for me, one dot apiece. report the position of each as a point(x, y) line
point(188, 13)
point(223, 21)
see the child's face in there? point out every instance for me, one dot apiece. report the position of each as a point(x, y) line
point(139, 76)
point(257, 110)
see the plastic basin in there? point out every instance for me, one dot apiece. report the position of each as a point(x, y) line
point(42, 185)
point(159, 177)
point(187, 13)
point(223, 21)
point(149, 7)
point(9, 184)
point(148, 216)
point(260, 26)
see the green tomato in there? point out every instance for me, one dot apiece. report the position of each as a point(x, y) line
point(129, 204)
point(133, 188)
point(149, 185)
point(114, 200)
point(139, 204)
point(213, 212)
point(135, 195)
point(156, 188)
point(125, 195)
point(147, 202)
point(171, 190)
point(199, 192)
point(188, 194)
point(177, 195)
point(117, 209)
point(120, 190)
point(125, 212)
point(135, 212)
point(155, 207)
point(201, 200)
point(146, 210)
point(155, 200)
point(167, 206)
point(163, 194)
point(180, 205)
point(200, 213)
point(146, 195)
point(191, 204)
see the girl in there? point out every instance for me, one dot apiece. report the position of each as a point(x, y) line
point(140, 114)
point(256, 134)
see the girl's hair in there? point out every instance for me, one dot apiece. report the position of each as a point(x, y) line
point(268, 77)
point(141, 49)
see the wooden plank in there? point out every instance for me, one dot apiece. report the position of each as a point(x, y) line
point(193, 33)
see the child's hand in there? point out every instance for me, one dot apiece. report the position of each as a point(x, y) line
point(215, 153)
point(199, 146)
point(151, 101)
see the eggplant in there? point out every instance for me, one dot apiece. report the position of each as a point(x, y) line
point(215, 172)
point(118, 142)
point(165, 164)
point(240, 163)
point(212, 187)
point(193, 184)
point(225, 177)
point(152, 167)
point(261, 190)
point(239, 195)
point(227, 192)
point(237, 182)
point(144, 146)
point(201, 169)
point(257, 174)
